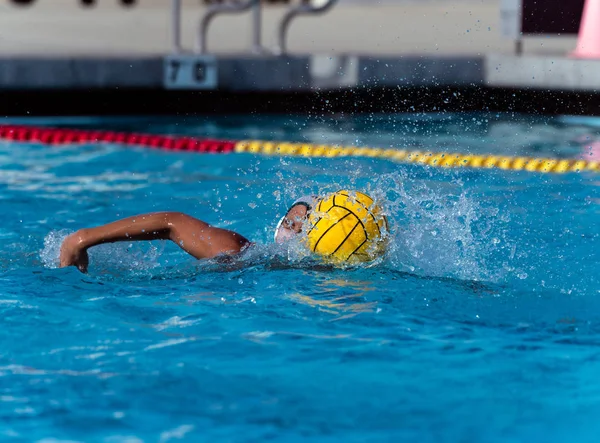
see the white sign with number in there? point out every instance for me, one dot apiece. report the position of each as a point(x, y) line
point(189, 71)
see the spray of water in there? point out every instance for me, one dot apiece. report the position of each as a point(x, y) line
point(439, 230)
point(137, 258)
point(50, 254)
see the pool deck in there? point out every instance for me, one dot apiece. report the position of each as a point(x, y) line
point(57, 45)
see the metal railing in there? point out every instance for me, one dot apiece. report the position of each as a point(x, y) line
point(231, 8)
point(303, 9)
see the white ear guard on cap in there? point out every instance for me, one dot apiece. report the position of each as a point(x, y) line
point(281, 234)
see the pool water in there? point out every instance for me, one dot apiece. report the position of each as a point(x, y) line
point(482, 324)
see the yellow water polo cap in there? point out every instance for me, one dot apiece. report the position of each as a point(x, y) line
point(347, 227)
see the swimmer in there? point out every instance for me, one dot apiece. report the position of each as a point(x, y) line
point(194, 236)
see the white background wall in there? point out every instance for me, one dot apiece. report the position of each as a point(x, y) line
point(356, 26)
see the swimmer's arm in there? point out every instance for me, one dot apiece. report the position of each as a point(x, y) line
point(192, 235)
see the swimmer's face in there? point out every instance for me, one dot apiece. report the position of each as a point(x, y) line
point(292, 223)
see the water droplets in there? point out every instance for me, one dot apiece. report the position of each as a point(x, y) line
point(440, 230)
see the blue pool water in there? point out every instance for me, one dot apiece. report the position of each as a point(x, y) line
point(481, 325)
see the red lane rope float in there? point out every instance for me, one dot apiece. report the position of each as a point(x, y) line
point(57, 136)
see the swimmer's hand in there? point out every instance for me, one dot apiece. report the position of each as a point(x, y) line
point(74, 253)
point(194, 236)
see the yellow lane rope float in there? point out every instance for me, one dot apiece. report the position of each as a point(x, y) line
point(436, 159)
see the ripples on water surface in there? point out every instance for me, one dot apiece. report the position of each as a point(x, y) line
point(481, 325)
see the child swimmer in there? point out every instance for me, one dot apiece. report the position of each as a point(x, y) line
point(343, 227)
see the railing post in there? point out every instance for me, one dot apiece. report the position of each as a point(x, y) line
point(257, 27)
point(511, 18)
point(176, 26)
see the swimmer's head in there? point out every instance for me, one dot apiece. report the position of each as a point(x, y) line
point(291, 223)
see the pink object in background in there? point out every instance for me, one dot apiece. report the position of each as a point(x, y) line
point(588, 42)
point(591, 151)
